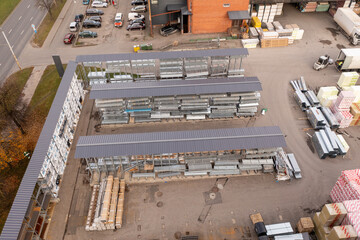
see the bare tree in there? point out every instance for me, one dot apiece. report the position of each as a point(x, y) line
point(12, 106)
point(46, 4)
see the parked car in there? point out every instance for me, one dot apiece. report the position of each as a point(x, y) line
point(132, 16)
point(69, 37)
point(168, 30)
point(74, 26)
point(119, 18)
point(90, 23)
point(139, 2)
point(98, 4)
point(139, 9)
point(135, 26)
point(95, 18)
point(94, 12)
point(137, 20)
point(79, 17)
point(86, 2)
point(87, 34)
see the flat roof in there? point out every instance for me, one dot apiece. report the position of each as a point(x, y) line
point(238, 15)
point(179, 141)
point(163, 55)
point(176, 87)
point(17, 212)
point(351, 51)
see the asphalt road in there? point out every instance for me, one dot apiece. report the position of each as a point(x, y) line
point(18, 31)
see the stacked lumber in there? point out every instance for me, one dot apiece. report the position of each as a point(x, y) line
point(276, 42)
point(120, 206)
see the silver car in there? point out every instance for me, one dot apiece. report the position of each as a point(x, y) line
point(139, 9)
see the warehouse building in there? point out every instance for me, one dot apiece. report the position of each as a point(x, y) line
point(211, 72)
point(183, 153)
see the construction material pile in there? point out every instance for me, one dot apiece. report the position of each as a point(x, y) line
point(347, 191)
point(321, 118)
point(307, 6)
point(153, 109)
point(106, 205)
point(328, 223)
point(267, 12)
point(341, 108)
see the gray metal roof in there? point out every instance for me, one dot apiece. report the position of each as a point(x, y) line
point(178, 87)
point(15, 218)
point(179, 141)
point(238, 15)
point(163, 55)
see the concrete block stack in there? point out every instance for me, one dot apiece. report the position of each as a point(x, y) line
point(327, 95)
point(341, 108)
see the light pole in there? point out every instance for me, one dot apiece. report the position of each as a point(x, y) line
point(7, 41)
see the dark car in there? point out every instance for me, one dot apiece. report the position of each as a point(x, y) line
point(95, 18)
point(168, 30)
point(136, 26)
point(79, 17)
point(93, 11)
point(90, 23)
point(137, 20)
point(69, 37)
point(87, 34)
point(139, 2)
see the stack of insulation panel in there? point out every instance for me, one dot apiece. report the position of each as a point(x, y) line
point(355, 111)
point(353, 214)
point(308, 6)
point(279, 8)
point(327, 95)
point(348, 79)
point(341, 108)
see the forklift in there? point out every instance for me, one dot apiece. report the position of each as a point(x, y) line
point(323, 62)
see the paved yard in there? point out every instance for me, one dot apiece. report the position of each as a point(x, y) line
point(183, 202)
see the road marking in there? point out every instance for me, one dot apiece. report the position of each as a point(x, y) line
point(22, 32)
point(10, 31)
point(28, 6)
point(31, 18)
point(20, 18)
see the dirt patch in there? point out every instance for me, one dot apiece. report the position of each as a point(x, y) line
point(326, 42)
point(334, 32)
point(340, 46)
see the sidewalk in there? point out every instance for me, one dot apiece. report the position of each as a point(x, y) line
point(32, 83)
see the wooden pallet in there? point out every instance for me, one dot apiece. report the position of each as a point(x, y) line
point(274, 42)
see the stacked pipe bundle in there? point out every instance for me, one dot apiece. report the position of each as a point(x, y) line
point(327, 143)
point(153, 109)
point(120, 205)
point(327, 223)
point(341, 108)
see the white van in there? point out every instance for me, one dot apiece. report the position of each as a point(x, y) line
point(74, 26)
point(118, 20)
point(132, 16)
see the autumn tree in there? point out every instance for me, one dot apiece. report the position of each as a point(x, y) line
point(46, 4)
point(12, 148)
point(12, 106)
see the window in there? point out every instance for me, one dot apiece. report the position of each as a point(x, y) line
point(226, 5)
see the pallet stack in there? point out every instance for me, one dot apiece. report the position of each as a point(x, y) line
point(308, 6)
point(348, 79)
point(353, 215)
point(327, 95)
point(355, 111)
point(347, 186)
point(322, 7)
point(305, 224)
point(341, 108)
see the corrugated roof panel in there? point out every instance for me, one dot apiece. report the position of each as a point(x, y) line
point(178, 87)
point(179, 141)
point(163, 55)
point(15, 218)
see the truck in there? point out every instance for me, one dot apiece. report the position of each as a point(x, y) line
point(348, 60)
point(349, 22)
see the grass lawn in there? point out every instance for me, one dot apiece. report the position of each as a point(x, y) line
point(20, 77)
point(48, 22)
point(6, 8)
point(45, 91)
